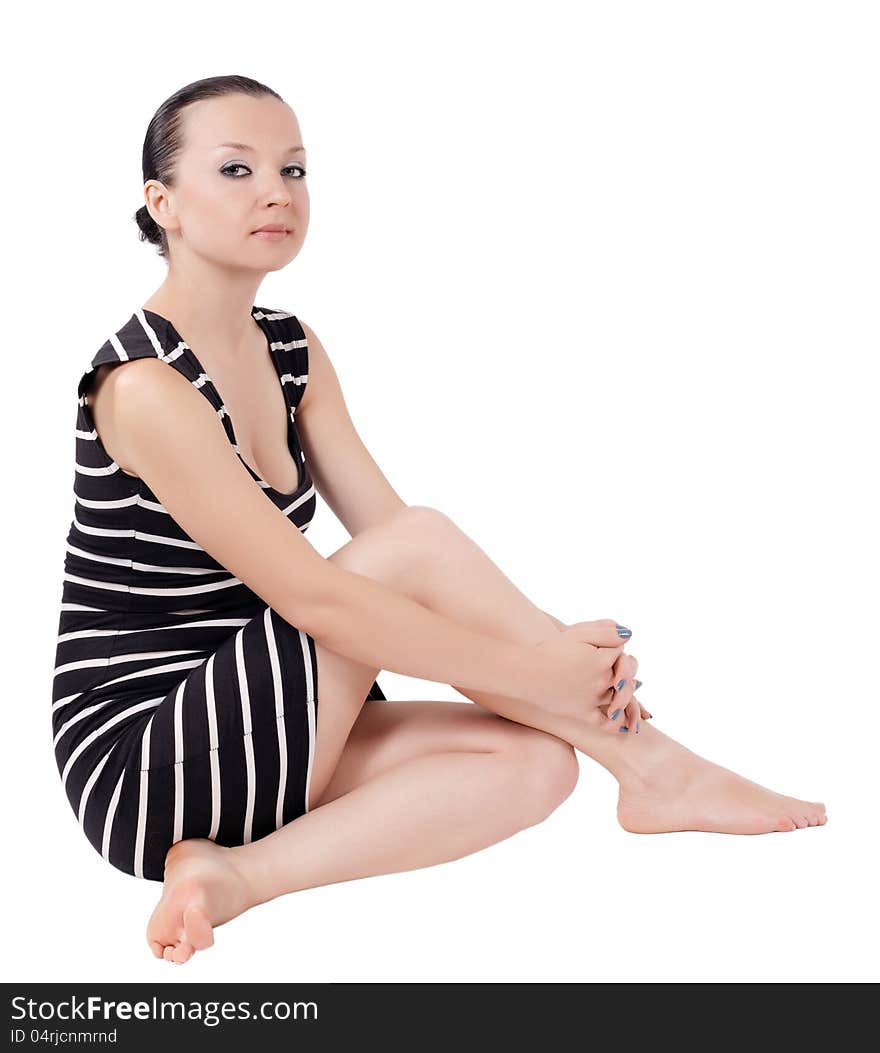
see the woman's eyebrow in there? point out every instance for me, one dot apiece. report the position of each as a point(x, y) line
point(244, 146)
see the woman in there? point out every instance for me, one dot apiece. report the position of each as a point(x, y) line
point(212, 668)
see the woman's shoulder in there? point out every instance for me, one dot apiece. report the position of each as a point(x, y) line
point(137, 371)
point(137, 337)
point(120, 390)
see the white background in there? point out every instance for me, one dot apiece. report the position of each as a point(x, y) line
point(600, 282)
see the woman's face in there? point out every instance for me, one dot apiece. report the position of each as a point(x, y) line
point(223, 193)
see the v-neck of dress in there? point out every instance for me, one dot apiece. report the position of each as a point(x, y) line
point(293, 446)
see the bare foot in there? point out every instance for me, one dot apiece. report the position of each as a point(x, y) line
point(203, 888)
point(686, 792)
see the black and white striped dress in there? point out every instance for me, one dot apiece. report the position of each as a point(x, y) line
point(183, 705)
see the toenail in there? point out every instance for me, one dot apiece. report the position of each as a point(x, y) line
point(620, 684)
point(624, 728)
point(616, 714)
point(638, 725)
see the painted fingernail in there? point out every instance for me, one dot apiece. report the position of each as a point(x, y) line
point(620, 684)
point(615, 714)
point(638, 725)
point(638, 684)
point(622, 630)
point(624, 728)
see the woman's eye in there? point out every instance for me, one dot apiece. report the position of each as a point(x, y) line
point(229, 168)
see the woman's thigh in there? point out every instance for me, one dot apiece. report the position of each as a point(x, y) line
point(387, 733)
point(341, 688)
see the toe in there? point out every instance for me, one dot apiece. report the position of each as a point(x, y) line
point(183, 952)
point(786, 824)
point(156, 948)
point(198, 928)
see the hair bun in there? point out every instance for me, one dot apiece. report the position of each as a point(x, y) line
point(149, 228)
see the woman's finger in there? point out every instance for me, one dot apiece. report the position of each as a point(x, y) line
point(603, 714)
point(623, 690)
point(635, 720)
point(615, 706)
point(629, 713)
point(624, 668)
point(623, 671)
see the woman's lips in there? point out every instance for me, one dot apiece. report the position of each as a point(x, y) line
point(271, 235)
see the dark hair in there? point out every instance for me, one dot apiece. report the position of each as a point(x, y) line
point(164, 140)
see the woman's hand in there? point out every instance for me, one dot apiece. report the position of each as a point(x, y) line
point(624, 708)
point(586, 663)
point(621, 664)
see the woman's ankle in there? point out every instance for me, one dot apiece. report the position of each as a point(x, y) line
point(644, 758)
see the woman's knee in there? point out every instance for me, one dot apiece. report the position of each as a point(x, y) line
point(393, 551)
point(547, 769)
point(424, 540)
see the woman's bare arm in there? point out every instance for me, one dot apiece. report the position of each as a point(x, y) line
point(169, 435)
point(343, 469)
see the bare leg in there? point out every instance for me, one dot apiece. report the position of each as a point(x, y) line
point(419, 783)
point(388, 795)
point(663, 786)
